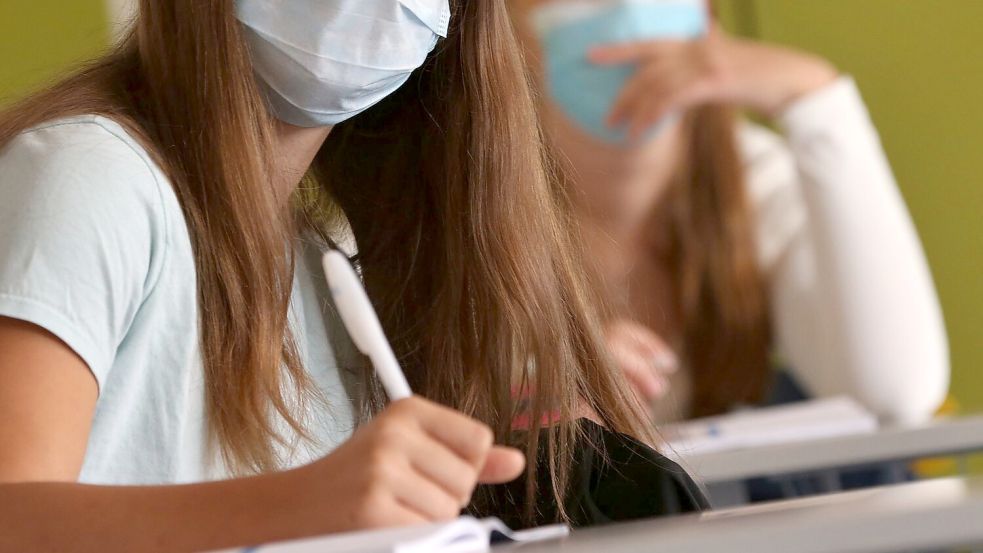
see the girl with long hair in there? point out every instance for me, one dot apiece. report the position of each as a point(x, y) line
point(172, 375)
point(727, 248)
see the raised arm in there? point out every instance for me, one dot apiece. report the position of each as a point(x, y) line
point(855, 307)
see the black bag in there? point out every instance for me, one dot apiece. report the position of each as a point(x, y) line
point(625, 480)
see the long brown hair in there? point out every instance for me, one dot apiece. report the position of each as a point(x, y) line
point(721, 291)
point(464, 236)
point(466, 243)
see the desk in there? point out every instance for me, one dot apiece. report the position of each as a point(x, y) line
point(721, 470)
point(934, 515)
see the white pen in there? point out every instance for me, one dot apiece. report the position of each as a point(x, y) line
point(363, 324)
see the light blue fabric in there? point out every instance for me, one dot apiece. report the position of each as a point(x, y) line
point(324, 61)
point(585, 91)
point(94, 248)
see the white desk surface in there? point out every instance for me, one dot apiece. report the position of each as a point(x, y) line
point(933, 515)
point(939, 437)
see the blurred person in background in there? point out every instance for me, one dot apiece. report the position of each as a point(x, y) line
point(729, 248)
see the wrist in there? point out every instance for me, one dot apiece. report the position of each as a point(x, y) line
point(769, 79)
point(811, 74)
point(302, 496)
point(281, 506)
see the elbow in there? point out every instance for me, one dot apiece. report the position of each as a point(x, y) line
point(918, 388)
point(919, 407)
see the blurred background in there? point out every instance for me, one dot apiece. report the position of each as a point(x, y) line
point(919, 64)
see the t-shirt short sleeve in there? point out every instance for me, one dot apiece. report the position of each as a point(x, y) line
point(82, 234)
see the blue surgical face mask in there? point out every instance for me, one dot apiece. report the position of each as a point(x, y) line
point(586, 92)
point(325, 61)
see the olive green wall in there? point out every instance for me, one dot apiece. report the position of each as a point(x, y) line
point(39, 38)
point(920, 67)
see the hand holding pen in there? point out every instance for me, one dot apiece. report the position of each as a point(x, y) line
point(417, 461)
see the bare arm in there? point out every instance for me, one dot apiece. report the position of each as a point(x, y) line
point(417, 462)
point(61, 517)
point(47, 399)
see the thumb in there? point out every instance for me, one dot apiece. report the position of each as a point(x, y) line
point(503, 464)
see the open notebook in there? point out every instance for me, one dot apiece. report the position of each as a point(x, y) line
point(796, 422)
point(464, 535)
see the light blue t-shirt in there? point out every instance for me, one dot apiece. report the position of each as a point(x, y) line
point(95, 249)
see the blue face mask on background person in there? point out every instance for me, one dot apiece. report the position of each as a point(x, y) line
point(322, 62)
point(586, 92)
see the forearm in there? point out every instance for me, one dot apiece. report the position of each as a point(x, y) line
point(61, 517)
point(888, 354)
point(871, 293)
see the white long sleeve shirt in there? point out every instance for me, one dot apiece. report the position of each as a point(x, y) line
point(853, 303)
